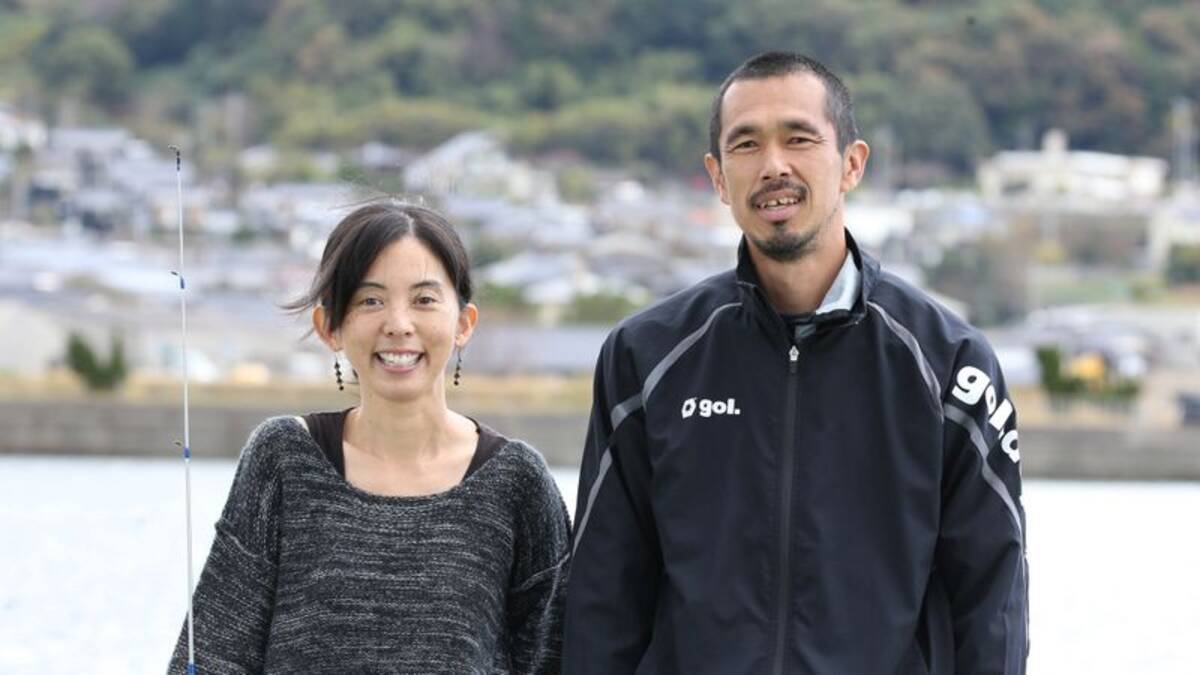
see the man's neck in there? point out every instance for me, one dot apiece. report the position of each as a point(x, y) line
point(799, 286)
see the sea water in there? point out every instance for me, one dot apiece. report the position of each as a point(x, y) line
point(93, 576)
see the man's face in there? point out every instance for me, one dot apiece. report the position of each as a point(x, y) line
point(780, 170)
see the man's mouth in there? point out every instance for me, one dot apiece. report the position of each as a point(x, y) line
point(778, 208)
point(779, 202)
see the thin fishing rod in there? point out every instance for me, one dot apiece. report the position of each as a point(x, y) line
point(187, 436)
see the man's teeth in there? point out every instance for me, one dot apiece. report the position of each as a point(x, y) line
point(783, 201)
point(401, 360)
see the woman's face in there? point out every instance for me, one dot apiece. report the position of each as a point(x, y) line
point(402, 324)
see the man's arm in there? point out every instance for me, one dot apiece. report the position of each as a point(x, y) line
point(616, 567)
point(981, 546)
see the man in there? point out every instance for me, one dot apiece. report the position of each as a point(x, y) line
point(803, 465)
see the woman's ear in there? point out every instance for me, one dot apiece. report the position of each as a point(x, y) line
point(467, 319)
point(330, 338)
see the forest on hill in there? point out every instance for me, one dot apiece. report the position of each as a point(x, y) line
point(613, 81)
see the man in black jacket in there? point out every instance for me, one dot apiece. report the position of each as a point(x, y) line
point(803, 465)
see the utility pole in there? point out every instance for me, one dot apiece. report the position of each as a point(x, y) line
point(1183, 143)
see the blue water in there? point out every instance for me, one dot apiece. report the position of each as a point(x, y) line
point(92, 575)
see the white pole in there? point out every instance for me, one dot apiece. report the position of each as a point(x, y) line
point(187, 438)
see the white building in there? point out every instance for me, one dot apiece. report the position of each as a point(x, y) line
point(1054, 172)
point(1175, 223)
point(474, 163)
point(17, 131)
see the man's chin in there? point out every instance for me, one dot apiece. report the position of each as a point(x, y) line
point(785, 246)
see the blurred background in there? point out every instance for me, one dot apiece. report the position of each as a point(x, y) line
point(1033, 167)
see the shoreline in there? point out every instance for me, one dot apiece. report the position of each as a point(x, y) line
point(550, 416)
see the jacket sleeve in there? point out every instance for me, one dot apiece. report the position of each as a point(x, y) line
point(981, 546)
point(535, 600)
point(234, 598)
point(616, 566)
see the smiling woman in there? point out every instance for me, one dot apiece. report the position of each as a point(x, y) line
point(397, 535)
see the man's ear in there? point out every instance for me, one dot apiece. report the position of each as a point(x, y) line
point(467, 318)
point(854, 163)
point(330, 338)
point(713, 165)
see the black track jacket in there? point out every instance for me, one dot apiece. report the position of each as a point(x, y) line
point(843, 504)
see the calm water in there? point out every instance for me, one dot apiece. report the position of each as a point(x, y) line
point(92, 576)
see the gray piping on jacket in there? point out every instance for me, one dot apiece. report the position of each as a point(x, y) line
point(630, 405)
point(957, 415)
point(910, 341)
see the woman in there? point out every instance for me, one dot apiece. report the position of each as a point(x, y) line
point(399, 535)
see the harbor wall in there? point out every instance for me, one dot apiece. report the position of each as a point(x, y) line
point(119, 428)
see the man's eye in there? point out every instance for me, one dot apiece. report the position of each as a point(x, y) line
point(799, 140)
point(744, 145)
point(426, 300)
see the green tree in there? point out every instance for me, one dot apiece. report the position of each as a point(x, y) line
point(600, 307)
point(91, 61)
point(1183, 265)
point(97, 375)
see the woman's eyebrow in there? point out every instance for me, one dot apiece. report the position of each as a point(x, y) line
point(427, 283)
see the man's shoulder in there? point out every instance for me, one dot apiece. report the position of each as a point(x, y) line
point(683, 310)
point(941, 332)
point(907, 303)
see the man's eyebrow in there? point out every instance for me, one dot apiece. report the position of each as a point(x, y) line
point(801, 125)
point(744, 129)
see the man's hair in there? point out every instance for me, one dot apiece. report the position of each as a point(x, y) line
point(839, 107)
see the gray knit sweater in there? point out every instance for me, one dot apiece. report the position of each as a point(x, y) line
point(308, 574)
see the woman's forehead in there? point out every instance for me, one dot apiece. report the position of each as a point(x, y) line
point(406, 262)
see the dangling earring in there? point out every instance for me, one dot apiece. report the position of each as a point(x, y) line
point(458, 368)
point(337, 372)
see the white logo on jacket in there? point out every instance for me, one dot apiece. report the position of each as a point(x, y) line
point(708, 407)
point(971, 385)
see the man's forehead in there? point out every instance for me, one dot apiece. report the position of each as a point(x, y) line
point(798, 95)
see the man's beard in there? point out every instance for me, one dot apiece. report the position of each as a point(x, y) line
point(784, 246)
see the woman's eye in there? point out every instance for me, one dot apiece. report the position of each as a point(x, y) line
point(426, 299)
point(370, 302)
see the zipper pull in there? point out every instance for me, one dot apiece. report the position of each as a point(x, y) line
point(793, 359)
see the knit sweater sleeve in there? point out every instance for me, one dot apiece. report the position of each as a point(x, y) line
point(538, 584)
point(233, 601)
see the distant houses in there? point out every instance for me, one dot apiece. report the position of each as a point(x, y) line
point(557, 241)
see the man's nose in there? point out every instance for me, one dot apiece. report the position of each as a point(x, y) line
point(775, 163)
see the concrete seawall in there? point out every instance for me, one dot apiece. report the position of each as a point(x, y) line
point(99, 427)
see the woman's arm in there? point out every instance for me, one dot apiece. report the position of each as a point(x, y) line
point(538, 591)
point(233, 601)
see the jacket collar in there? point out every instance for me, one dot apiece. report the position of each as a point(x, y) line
point(748, 279)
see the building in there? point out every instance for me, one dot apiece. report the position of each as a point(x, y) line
point(1055, 172)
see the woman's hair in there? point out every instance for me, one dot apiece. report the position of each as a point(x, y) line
point(361, 236)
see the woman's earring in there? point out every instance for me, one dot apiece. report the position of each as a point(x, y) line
point(458, 368)
point(337, 372)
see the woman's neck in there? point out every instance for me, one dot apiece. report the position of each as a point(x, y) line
point(401, 431)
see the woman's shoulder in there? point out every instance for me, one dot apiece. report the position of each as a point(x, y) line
point(525, 469)
point(272, 440)
point(522, 455)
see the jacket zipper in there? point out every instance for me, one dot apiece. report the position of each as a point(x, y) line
point(785, 520)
